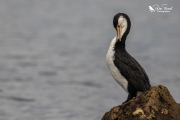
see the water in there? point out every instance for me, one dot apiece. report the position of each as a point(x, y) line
point(52, 56)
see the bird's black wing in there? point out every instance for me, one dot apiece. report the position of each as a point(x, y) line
point(132, 71)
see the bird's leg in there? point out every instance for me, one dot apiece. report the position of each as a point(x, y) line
point(138, 93)
point(129, 98)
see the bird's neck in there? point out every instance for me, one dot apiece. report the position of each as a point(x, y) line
point(120, 45)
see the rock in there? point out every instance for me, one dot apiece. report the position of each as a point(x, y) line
point(154, 104)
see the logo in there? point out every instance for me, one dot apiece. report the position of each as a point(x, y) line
point(164, 8)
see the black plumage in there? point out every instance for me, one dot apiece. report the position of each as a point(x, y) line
point(131, 70)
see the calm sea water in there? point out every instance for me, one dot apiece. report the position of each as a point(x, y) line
point(52, 55)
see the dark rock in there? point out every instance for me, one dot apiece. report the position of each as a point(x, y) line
point(154, 104)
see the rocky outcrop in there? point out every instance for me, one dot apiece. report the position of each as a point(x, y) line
point(154, 104)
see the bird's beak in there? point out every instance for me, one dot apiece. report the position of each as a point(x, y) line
point(118, 33)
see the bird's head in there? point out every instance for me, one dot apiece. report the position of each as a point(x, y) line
point(122, 25)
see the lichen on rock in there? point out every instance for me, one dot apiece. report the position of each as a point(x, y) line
point(156, 103)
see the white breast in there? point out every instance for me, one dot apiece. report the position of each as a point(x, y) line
point(113, 69)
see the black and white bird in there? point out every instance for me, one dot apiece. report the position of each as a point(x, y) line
point(123, 67)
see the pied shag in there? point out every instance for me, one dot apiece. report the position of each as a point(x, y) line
point(123, 67)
